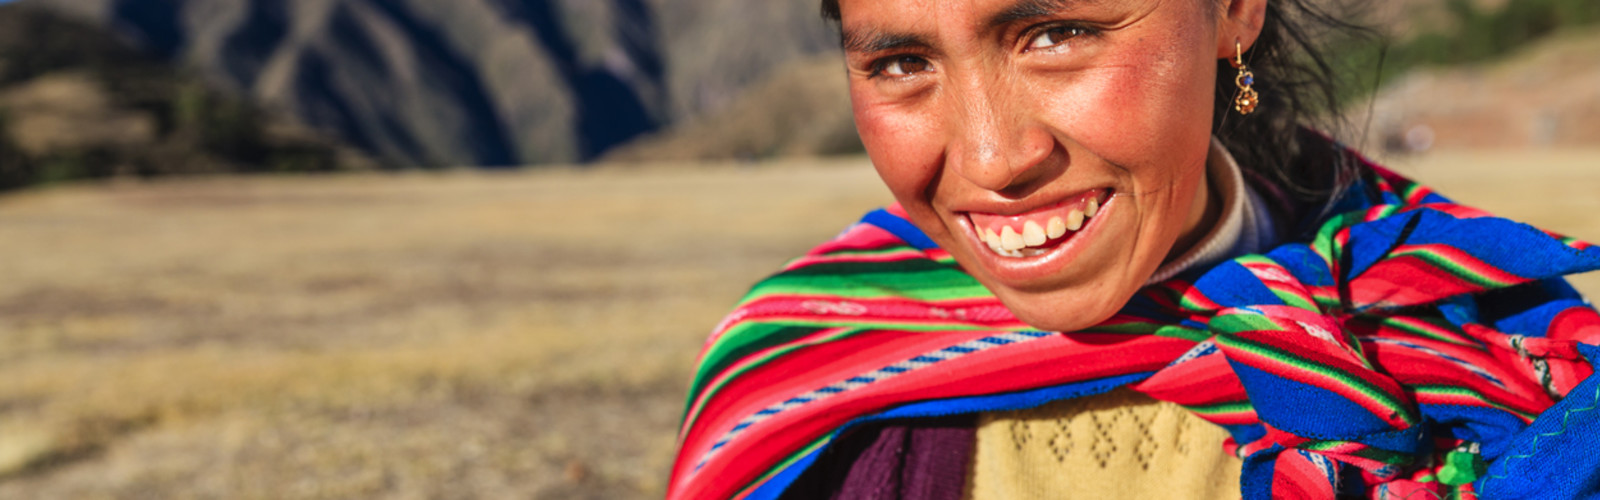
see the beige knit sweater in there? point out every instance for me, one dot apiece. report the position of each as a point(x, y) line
point(1119, 445)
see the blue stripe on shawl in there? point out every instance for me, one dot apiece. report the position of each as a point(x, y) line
point(1245, 433)
point(1535, 322)
point(900, 228)
point(1304, 263)
point(1513, 247)
point(1284, 403)
point(1491, 428)
point(1255, 477)
point(1370, 241)
point(1230, 284)
point(1555, 456)
point(1530, 310)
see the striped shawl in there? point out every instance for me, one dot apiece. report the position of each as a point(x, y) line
point(1408, 345)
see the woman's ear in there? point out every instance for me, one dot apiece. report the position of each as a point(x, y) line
point(1240, 22)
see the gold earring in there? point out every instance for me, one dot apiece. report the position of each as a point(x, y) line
point(1246, 99)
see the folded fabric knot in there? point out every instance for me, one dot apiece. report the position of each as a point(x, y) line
point(1344, 365)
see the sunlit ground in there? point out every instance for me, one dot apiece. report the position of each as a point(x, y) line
point(522, 334)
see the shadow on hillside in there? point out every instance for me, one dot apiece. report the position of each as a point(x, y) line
point(609, 107)
point(608, 110)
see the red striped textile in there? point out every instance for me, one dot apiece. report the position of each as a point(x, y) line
point(1406, 329)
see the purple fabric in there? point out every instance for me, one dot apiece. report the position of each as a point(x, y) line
point(936, 468)
point(920, 461)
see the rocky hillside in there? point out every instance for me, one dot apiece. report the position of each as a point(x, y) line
point(76, 102)
point(481, 82)
point(800, 109)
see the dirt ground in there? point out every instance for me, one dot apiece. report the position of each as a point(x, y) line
point(461, 335)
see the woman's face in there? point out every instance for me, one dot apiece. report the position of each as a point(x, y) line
point(1075, 131)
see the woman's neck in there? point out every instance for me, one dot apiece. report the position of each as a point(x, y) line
point(1204, 214)
point(1230, 220)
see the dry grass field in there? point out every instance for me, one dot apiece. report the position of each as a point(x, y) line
point(460, 335)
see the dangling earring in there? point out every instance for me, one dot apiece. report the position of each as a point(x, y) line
point(1246, 99)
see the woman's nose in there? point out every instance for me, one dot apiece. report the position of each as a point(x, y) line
point(997, 144)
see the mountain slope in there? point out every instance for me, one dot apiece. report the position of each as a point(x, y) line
point(801, 109)
point(483, 82)
point(77, 102)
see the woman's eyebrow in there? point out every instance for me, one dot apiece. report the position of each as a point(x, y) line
point(870, 41)
point(1029, 9)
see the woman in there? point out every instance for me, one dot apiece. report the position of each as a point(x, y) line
point(1113, 273)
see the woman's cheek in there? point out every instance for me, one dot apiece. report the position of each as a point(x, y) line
point(1130, 114)
point(903, 144)
point(1107, 113)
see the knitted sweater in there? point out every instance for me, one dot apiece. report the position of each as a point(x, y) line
point(1117, 445)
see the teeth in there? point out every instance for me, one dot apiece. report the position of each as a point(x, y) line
point(1032, 234)
point(1010, 240)
point(1056, 228)
point(1074, 220)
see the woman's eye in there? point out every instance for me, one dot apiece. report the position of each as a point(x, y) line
point(1054, 36)
point(903, 66)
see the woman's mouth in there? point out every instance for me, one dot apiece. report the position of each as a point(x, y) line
point(1034, 233)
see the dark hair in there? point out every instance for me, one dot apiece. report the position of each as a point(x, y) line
point(1279, 144)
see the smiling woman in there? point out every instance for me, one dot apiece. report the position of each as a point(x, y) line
point(1120, 266)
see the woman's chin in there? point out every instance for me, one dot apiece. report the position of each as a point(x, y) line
point(1064, 310)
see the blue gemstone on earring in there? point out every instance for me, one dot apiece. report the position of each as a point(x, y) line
point(1249, 80)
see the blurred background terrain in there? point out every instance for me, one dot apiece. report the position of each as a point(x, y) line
point(495, 232)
